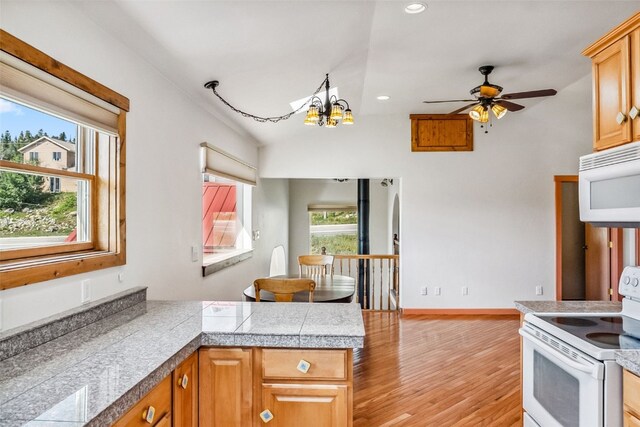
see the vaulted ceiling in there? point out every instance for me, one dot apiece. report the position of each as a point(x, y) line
point(268, 53)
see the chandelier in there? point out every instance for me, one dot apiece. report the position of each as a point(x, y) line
point(329, 112)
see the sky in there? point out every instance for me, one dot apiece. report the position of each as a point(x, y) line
point(17, 118)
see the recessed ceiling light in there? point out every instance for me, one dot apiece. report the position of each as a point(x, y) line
point(416, 7)
point(382, 97)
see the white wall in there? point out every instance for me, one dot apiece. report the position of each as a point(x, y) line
point(482, 219)
point(304, 192)
point(164, 130)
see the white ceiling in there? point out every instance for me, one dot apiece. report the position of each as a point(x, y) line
point(268, 53)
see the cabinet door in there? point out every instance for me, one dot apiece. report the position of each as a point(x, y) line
point(225, 387)
point(635, 82)
point(611, 95)
point(305, 405)
point(158, 401)
point(185, 393)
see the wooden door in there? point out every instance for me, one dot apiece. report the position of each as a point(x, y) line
point(597, 263)
point(225, 387)
point(635, 82)
point(185, 393)
point(611, 94)
point(306, 405)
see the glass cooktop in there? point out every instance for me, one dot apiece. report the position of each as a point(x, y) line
point(609, 332)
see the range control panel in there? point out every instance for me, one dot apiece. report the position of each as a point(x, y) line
point(629, 285)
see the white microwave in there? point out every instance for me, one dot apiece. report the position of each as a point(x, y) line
point(609, 187)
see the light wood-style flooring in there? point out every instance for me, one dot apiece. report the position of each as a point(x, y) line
point(419, 370)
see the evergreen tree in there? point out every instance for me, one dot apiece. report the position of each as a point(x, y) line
point(62, 136)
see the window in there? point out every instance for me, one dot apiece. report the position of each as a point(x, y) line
point(57, 218)
point(333, 229)
point(226, 210)
point(54, 185)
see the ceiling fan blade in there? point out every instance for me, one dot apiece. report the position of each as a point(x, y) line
point(451, 100)
point(460, 110)
point(511, 106)
point(529, 94)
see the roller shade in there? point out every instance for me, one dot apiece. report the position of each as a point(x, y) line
point(217, 162)
point(27, 85)
point(331, 208)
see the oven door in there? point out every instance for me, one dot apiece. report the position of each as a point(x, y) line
point(560, 389)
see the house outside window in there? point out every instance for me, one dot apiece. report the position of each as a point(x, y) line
point(226, 210)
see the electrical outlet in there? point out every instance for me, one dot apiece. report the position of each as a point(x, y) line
point(423, 290)
point(437, 290)
point(85, 291)
point(538, 290)
point(465, 290)
point(194, 254)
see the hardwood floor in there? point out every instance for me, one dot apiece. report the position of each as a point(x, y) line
point(425, 370)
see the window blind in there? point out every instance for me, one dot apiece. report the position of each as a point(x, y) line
point(219, 163)
point(331, 208)
point(27, 85)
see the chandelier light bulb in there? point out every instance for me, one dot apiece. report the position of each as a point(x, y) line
point(348, 118)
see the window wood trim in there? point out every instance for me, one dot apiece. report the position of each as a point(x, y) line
point(29, 54)
point(110, 240)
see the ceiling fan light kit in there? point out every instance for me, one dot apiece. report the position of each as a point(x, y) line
point(330, 112)
point(487, 97)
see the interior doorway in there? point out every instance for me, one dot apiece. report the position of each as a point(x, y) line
point(588, 258)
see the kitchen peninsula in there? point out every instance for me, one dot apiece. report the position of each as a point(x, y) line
point(92, 366)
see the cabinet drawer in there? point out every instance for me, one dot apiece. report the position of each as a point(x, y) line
point(323, 364)
point(159, 398)
point(630, 420)
point(631, 392)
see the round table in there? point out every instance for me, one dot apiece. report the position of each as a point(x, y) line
point(328, 289)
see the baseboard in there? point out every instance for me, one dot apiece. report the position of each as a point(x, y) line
point(453, 311)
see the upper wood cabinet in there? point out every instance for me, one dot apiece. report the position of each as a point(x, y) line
point(616, 85)
point(441, 132)
point(185, 393)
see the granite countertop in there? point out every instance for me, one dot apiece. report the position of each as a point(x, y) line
point(629, 360)
point(94, 374)
point(568, 306)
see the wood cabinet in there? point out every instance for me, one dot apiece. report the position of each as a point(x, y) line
point(631, 396)
point(616, 85)
point(292, 387)
point(226, 397)
point(307, 387)
point(315, 405)
point(154, 409)
point(441, 132)
point(185, 393)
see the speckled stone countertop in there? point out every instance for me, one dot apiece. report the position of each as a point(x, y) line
point(568, 306)
point(93, 375)
point(629, 360)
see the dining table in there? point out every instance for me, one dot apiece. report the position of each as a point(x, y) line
point(329, 288)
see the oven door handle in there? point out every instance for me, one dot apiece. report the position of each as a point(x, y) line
point(594, 371)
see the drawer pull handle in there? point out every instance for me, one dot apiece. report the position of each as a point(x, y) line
point(303, 366)
point(184, 380)
point(633, 113)
point(621, 118)
point(149, 414)
point(266, 416)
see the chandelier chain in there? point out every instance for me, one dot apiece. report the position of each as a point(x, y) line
point(274, 119)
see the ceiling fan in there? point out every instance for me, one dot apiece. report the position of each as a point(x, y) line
point(487, 97)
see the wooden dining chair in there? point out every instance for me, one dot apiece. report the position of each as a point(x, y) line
point(283, 289)
point(315, 265)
